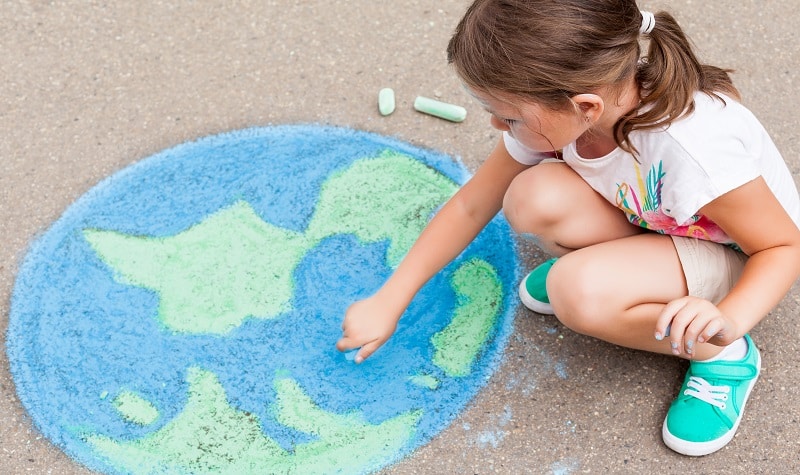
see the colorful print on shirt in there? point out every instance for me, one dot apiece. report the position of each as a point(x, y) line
point(642, 205)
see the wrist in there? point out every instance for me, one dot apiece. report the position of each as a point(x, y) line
point(394, 299)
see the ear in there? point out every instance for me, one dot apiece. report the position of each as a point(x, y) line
point(591, 106)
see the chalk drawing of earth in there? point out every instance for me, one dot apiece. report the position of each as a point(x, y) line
point(181, 316)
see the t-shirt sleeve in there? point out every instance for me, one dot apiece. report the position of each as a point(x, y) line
point(521, 153)
point(720, 156)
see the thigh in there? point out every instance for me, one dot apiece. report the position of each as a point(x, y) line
point(616, 290)
point(608, 278)
point(555, 205)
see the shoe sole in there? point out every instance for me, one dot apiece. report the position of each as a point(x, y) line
point(533, 304)
point(698, 449)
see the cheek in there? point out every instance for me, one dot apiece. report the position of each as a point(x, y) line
point(499, 124)
point(553, 137)
point(533, 140)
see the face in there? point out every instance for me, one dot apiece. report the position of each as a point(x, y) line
point(538, 128)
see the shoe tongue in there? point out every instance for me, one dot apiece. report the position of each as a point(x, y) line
point(724, 370)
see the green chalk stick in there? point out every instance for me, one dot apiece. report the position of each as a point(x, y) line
point(386, 101)
point(440, 109)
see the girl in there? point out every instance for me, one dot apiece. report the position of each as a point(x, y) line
point(672, 215)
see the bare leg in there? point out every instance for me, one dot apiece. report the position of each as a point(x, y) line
point(554, 204)
point(614, 278)
point(615, 291)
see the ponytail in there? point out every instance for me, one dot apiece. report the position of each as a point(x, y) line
point(668, 76)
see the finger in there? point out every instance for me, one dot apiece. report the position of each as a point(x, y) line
point(678, 337)
point(663, 323)
point(694, 330)
point(669, 325)
point(367, 350)
point(346, 343)
point(724, 336)
point(712, 328)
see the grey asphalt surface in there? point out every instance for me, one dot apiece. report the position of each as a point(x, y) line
point(89, 88)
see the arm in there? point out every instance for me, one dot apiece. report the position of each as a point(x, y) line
point(754, 218)
point(370, 322)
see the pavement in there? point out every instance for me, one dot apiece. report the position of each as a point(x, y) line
point(89, 88)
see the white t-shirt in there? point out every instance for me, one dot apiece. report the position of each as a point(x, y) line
point(717, 148)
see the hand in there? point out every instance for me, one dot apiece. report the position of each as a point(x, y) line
point(367, 324)
point(690, 320)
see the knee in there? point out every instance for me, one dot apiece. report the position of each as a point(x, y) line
point(533, 201)
point(576, 291)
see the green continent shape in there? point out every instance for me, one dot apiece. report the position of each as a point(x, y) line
point(388, 197)
point(213, 275)
point(479, 297)
point(345, 442)
point(425, 381)
point(135, 408)
point(233, 265)
point(210, 436)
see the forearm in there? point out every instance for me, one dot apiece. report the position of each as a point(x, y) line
point(446, 236)
point(453, 228)
point(752, 216)
point(767, 277)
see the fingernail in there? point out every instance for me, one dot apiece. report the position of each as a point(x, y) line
point(674, 345)
point(690, 344)
point(359, 359)
point(659, 337)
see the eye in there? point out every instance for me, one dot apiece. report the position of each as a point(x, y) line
point(509, 122)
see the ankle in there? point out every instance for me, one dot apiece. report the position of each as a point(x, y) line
point(733, 352)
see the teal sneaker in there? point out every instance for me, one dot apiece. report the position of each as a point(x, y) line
point(708, 409)
point(533, 291)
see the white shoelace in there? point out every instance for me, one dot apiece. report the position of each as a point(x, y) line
point(702, 390)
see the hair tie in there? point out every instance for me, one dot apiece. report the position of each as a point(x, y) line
point(648, 23)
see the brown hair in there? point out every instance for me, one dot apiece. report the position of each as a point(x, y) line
point(551, 50)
